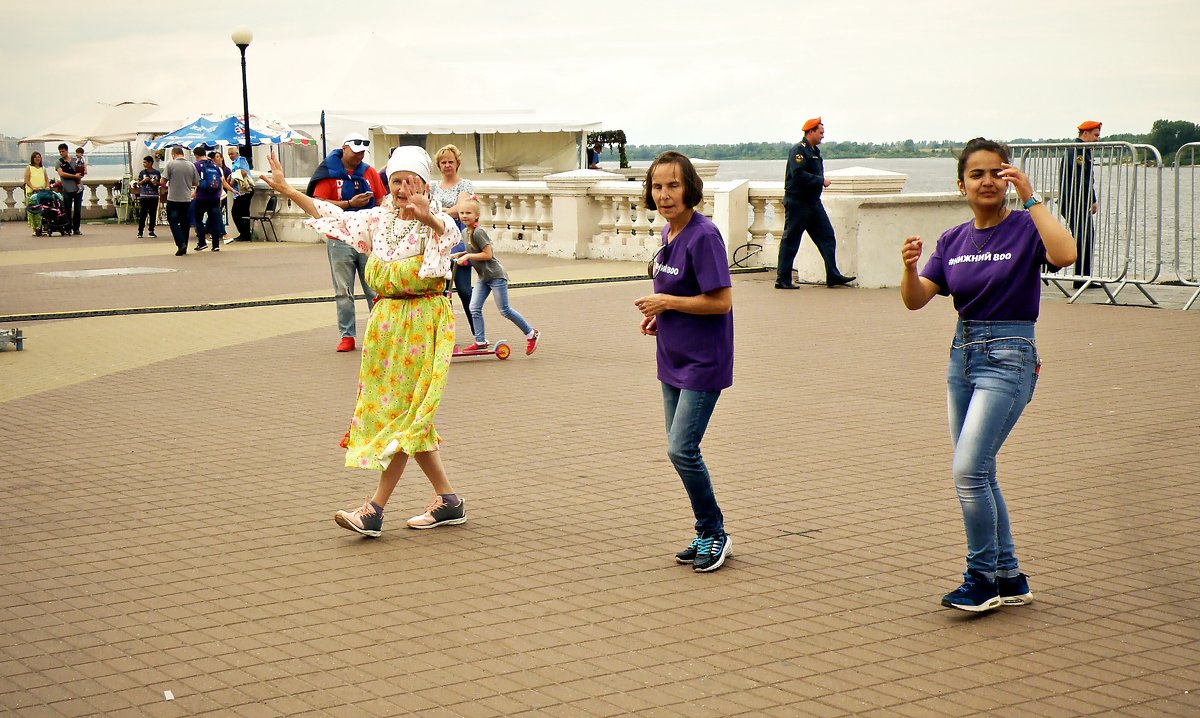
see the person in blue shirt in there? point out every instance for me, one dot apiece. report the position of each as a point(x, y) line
point(244, 184)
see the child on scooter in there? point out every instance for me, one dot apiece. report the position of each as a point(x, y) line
point(492, 278)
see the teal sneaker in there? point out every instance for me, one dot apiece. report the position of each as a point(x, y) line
point(711, 552)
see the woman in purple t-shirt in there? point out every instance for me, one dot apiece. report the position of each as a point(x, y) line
point(990, 268)
point(690, 314)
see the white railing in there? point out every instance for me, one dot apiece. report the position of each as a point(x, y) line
point(517, 216)
point(100, 199)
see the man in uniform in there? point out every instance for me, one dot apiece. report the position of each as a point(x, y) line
point(1077, 201)
point(802, 187)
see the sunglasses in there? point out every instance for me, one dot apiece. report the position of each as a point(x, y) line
point(362, 144)
point(652, 267)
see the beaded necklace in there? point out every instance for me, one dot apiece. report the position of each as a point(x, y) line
point(394, 238)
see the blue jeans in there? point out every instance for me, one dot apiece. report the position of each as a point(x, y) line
point(344, 263)
point(207, 215)
point(992, 375)
point(480, 294)
point(462, 283)
point(688, 413)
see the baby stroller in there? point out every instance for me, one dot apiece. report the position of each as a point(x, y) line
point(48, 204)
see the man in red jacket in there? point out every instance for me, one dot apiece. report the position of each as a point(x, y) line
point(350, 183)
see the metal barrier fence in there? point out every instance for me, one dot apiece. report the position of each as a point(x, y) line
point(1185, 218)
point(1109, 195)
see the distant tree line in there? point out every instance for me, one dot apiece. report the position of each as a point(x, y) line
point(1167, 135)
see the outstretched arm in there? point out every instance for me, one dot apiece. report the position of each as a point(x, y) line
point(275, 180)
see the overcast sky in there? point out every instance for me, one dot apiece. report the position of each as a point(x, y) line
point(665, 72)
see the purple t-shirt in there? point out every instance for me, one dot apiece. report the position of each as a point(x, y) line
point(201, 192)
point(695, 351)
point(992, 274)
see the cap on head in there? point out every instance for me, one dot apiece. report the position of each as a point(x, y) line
point(410, 159)
point(1089, 125)
point(812, 124)
point(356, 142)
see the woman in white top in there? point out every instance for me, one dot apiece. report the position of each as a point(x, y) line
point(409, 336)
point(452, 193)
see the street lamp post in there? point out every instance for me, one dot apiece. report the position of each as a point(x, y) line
point(241, 37)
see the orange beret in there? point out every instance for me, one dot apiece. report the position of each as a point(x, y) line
point(1089, 125)
point(812, 124)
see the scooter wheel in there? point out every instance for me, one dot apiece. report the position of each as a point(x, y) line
point(503, 351)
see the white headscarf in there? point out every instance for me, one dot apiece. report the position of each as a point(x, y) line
point(410, 159)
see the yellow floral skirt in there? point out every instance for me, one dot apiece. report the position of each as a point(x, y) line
point(405, 360)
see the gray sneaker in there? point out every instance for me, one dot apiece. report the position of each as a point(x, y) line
point(439, 514)
point(364, 520)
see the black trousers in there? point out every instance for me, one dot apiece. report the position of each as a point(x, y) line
point(804, 217)
point(72, 208)
point(239, 214)
point(147, 209)
point(179, 216)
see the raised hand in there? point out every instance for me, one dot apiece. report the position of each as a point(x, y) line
point(1017, 179)
point(417, 202)
point(275, 179)
point(910, 252)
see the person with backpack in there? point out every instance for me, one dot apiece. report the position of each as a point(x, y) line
point(207, 205)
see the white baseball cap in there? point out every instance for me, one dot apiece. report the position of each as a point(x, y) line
point(356, 142)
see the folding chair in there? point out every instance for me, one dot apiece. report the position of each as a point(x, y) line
point(264, 220)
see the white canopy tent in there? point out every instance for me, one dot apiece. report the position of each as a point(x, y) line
point(101, 124)
point(494, 145)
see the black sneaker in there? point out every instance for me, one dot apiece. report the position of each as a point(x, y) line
point(139, 235)
point(688, 555)
point(976, 594)
point(200, 247)
point(364, 520)
point(712, 552)
point(1014, 591)
point(152, 234)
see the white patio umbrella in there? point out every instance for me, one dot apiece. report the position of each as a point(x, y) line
point(100, 124)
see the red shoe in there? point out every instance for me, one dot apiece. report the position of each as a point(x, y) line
point(346, 344)
point(531, 342)
point(476, 347)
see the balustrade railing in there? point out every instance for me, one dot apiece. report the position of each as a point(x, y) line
point(100, 199)
point(518, 216)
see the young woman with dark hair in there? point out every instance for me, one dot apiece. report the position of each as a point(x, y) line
point(990, 267)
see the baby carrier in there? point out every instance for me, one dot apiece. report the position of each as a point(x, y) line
point(49, 205)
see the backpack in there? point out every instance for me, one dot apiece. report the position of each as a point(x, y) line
point(210, 176)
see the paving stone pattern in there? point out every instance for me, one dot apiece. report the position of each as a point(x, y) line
point(169, 527)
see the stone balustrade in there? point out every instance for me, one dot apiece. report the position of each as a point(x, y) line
point(100, 199)
point(592, 214)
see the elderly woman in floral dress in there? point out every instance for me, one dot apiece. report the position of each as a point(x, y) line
point(409, 337)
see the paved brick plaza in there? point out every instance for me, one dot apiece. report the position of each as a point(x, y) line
point(169, 484)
